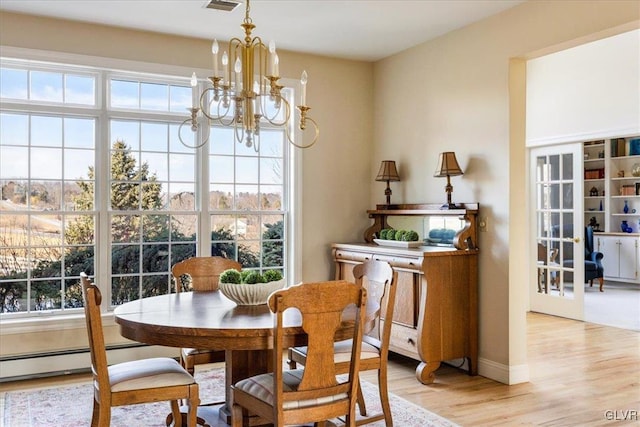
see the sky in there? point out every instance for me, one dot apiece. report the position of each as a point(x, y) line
point(57, 147)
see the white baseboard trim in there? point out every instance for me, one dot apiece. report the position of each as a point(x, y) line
point(67, 363)
point(505, 374)
point(57, 364)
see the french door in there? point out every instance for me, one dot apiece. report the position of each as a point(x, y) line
point(557, 230)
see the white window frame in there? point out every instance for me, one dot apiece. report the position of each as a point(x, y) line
point(103, 67)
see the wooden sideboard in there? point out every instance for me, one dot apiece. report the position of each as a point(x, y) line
point(436, 310)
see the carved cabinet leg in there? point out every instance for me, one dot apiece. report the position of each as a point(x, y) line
point(425, 372)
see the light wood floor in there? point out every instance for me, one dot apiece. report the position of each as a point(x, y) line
point(578, 372)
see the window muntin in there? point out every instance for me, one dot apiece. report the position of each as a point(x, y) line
point(143, 249)
point(158, 165)
point(148, 95)
point(247, 199)
point(47, 225)
point(44, 86)
point(245, 203)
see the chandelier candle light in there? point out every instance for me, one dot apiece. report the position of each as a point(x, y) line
point(248, 93)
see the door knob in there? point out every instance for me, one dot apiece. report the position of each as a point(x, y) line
point(571, 239)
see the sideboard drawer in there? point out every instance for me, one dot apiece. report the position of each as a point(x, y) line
point(401, 262)
point(346, 255)
point(404, 340)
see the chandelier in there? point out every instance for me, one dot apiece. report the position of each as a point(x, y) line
point(247, 94)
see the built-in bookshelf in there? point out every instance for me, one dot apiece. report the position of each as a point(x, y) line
point(611, 182)
point(595, 173)
point(611, 197)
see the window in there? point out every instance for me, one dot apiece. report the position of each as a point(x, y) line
point(45, 224)
point(105, 186)
point(246, 199)
point(152, 215)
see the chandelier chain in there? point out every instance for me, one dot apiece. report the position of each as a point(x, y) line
point(247, 17)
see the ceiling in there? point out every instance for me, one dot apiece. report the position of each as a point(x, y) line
point(357, 29)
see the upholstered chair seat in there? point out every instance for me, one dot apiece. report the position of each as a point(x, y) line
point(147, 373)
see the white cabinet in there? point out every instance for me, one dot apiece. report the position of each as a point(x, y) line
point(620, 260)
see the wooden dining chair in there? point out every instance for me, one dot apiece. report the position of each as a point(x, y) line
point(313, 394)
point(380, 281)
point(200, 274)
point(128, 383)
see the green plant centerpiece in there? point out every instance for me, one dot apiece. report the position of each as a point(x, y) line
point(254, 277)
point(272, 275)
point(249, 287)
point(398, 235)
point(399, 238)
point(231, 276)
point(410, 236)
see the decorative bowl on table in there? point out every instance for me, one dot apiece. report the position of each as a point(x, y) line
point(250, 294)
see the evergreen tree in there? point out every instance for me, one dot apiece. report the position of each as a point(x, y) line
point(132, 188)
point(224, 245)
point(272, 248)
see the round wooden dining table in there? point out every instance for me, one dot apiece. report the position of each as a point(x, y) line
point(209, 320)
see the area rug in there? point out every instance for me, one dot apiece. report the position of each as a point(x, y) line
point(70, 406)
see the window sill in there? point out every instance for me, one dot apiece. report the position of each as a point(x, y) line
point(49, 323)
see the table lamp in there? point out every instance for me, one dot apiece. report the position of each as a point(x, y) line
point(388, 172)
point(448, 166)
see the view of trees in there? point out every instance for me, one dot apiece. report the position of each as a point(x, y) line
point(272, 248)
point(133, 188)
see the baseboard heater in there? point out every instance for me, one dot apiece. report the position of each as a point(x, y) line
point(41, 365)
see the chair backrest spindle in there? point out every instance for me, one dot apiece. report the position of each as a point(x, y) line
point(92, 299)
point(379, 279)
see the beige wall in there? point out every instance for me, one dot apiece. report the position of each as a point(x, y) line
point(336, 171)
point(453, 94)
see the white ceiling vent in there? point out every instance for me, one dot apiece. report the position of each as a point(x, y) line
point(226, 5)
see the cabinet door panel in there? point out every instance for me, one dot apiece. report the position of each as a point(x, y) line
point(404, 311)
point(608, 245)
point(628, 257)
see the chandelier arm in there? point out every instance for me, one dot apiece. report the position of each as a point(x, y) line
point(315, 138)
point(256, 143)
point(196, 146)
point(226, 104)
point(202, 97)
point(220, 117)
point(287, 110)
point(240, 137)
point(204, 110)
point(262, 62)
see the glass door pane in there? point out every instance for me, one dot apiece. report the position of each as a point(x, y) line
point(559, 256)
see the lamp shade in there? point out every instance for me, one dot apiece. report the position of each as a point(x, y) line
point(447, 165)
point(388, 171)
